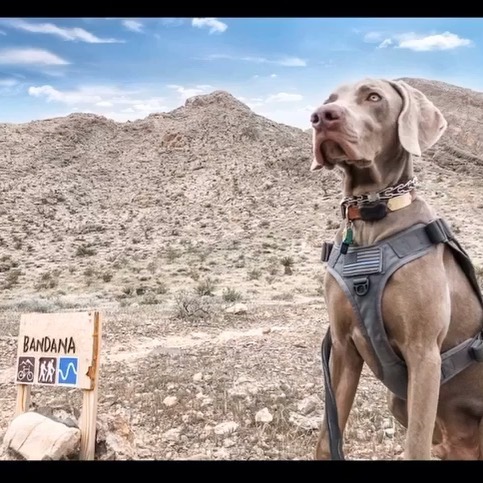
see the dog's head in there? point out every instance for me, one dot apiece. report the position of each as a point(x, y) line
point(362, 121)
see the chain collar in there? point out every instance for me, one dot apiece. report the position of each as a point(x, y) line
point(385, 194)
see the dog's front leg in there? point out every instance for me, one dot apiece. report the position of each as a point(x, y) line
point(424, 374)
point(345, 370)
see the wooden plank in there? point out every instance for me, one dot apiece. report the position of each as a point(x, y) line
point(88, 418)
point(23, 399)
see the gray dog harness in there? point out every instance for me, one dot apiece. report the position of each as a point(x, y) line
point(362, 273)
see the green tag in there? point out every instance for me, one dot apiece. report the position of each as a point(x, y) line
point(348, 235)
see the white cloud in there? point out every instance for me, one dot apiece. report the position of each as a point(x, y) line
point(96, 95)
point(284, 97)
point(133, 25)
point(417, 42)
point(101, 103)
point(186, 92)
point(292, 62)
point(444, 41)
point(8, 82)
point(284, 61)
point(211, 23)
point(71, 34)
point(30, 56)
point(172, 21)
point(67, 97)
point(292, 117)
point(373, 37)
point(385, 43)
point(271, 76)
point(112, 102)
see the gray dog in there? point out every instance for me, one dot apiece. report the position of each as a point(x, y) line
point(400, 290)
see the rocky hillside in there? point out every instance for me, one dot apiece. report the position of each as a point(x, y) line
point(461, 148)
point(89, 205)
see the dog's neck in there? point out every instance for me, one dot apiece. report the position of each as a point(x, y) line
point(381, 174)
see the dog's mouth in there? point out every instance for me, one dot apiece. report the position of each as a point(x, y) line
point(328, 153)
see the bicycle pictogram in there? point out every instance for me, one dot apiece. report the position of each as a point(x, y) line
point(25, 369)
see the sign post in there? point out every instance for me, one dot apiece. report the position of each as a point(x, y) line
point(61, 349)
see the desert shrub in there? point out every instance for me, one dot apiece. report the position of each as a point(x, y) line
point(254, 274)
point(231, 295)
point(287, 263)
point(190, 306)
point(85, 251)
point(205, 287)
point(49, 279)
point(12, 277)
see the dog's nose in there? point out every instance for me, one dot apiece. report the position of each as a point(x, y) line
point(327, 115)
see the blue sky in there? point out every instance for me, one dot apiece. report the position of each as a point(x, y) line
point(282, 68)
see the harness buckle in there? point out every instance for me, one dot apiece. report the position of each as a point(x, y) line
point(361, 286)
point(326, 250)
point(476, 349)
point(343, 210)
point(438, 231)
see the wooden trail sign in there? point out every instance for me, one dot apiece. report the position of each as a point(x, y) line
point(61, 349)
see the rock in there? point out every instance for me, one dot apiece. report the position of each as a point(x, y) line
point(58, 414)
point(170, 401)
point(198, 377)
point(37, 437)
point(114, 438)
point(387, 423)
point(263, 416)
point(390, 432)
point(207, 401)
point(221, 453)
point(172, 434)
point(237, 309)
point(307, 405)
point(243, 387)
point(304, 422)
point(226, 428)
point(228, 443)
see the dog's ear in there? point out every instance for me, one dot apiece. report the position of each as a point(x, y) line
point(420, 123)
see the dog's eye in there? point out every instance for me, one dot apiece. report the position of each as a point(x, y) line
point(374, 97)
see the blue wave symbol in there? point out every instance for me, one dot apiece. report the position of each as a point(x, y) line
point(68, 370)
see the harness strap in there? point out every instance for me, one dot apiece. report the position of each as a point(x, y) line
point(454, 360)
point(439, 232)
point(331, 415)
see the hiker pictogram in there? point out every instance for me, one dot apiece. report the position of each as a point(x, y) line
point(47, 370)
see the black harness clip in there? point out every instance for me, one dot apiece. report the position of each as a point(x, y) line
point(361, 286)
